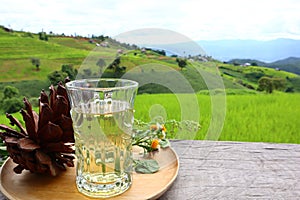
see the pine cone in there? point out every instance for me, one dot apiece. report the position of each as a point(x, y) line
point(46, 145)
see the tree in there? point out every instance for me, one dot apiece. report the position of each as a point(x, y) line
point(56, 77)
point(36, 62)
point(11, 102)
point(269, 84)
point(279, 83)
point(69, 69)
point(12, 105)
point(43, 36)
point(265, 83)
point(115, 65)
point(101, 63)
point(87, 73)
point(10, 92)
point(181, 62)
point(119, 69)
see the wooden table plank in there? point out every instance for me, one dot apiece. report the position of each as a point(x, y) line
point(235, 170)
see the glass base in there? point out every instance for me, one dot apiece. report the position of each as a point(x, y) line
point(104, 189)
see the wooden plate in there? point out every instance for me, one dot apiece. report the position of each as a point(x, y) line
point(39, 187)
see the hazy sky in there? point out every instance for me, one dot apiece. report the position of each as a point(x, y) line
point(196, 19)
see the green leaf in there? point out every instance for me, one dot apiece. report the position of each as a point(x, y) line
point(2, 148)
point(146, 166)
point(164, 143)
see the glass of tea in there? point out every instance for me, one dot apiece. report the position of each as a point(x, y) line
point(102, 114)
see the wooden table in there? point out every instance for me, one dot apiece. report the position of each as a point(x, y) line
point(235, 170)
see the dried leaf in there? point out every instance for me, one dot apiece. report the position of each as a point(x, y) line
point(11, 140)
point(31, 166)
point(18, 159)
point(27, 145)
point(12, 149)
point(60, 165)
point(41, 168)
point(146, 166)
point(28, 107)
point(61, 90)
point(69, 156)
point(45, 115)
point(68, 136)
point(66, 160)
point(36, 121)
point(15, 121)
point(18, 169)
point(50, 133)
point(52, 97)
point(66, 125)
point(42, 157)
point(44, 97)
point(58, 147)
point(61, 106)
point(10, 131)
point(30, 125)
point(54, 170)
point(28, 155)
point(33, 115)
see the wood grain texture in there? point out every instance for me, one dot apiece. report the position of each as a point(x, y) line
point(235, 170)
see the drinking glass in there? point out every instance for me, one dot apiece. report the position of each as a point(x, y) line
point(102, 114)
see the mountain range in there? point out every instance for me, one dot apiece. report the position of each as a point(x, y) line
point(266, 51)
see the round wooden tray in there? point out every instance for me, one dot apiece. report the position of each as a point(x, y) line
point(39, 187)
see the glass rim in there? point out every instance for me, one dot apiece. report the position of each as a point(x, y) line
point(132, 84)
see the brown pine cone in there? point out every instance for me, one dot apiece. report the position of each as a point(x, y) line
point(46, 145)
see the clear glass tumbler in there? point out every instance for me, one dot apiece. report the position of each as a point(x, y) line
point(102, 114)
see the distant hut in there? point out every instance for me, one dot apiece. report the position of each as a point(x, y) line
point(246, 64)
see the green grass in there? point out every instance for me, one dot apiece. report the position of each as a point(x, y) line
point(249, 117)
point(268, 118)
point(16, 50)
point(270, 72)
point(135, 58)
point(240, 70)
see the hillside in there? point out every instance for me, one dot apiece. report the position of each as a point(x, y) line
point(249, 76)
point(291, 64)
point(17, 48)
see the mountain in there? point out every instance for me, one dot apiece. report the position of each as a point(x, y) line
point(266, 51)
point(239, 61)
point(291, 64)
